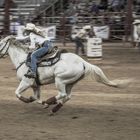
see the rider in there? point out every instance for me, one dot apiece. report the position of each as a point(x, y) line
point(36, 37)
point(82, 34)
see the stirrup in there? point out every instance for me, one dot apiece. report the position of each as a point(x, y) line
point(30, 75)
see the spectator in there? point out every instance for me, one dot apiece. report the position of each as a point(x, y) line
point(73, 19)
point(82, 34)
point(94, 9)
point(103, 4)
point(1, 3)
point(72, 8)
point(116, 5)
point(11, 3)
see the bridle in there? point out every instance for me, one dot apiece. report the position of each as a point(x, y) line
point(2, 55)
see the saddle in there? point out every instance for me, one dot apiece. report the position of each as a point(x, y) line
point(50, 58)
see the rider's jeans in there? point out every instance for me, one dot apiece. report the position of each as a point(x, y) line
point(79, 45)
point(38, 54)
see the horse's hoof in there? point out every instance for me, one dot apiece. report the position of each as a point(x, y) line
point(51, 113)
point(39, 101)
point(23, 99)
point(45, 106)
point(32, 99)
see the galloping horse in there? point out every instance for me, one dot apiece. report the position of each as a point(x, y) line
point(65, 74)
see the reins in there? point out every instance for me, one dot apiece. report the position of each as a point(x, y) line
point(20, 65)
point(2, 55)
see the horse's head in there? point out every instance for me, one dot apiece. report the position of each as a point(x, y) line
point(4, 45)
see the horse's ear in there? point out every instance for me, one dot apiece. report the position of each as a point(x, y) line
point(1, 37)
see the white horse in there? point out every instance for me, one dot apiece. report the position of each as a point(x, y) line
point(65, 73)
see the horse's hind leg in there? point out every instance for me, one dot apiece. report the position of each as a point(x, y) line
point(68, 91)
point(61, 94)
point(61, 102)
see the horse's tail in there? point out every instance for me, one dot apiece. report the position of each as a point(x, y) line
point(99, 76)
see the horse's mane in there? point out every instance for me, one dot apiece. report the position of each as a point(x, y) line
point(20, 45)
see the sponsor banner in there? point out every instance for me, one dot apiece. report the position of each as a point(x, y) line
point(101, 31)
point(50, 32)
point(14, 27)
point(20, 30)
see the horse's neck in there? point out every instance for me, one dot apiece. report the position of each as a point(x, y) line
point(17, 55)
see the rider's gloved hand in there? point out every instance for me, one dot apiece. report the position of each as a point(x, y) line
point(12, 37)
point(31, 49)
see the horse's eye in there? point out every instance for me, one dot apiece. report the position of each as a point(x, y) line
point(2, 43)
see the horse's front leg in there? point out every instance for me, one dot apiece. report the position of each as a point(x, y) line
point(36, 90)
point(24, 85)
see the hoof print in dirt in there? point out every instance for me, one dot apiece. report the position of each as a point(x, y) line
point(75, 117)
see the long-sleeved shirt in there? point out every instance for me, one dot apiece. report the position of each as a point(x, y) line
point(81, 34)
point(34, 39)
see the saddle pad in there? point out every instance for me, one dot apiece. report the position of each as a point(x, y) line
point(49, 61)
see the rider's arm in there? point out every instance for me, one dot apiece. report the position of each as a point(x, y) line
point(81, 33)
point(32, 44)
point(22, 38)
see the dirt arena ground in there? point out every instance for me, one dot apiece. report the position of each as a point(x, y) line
point(95, 112)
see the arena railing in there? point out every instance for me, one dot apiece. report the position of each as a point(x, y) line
point(64, 23)
point(63, 26)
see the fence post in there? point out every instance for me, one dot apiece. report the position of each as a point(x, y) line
point(61, 5)
point(63, 26)
point(128, 23)
point(7, 16)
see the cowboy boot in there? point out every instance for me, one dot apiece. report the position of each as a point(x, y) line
point(30, 74)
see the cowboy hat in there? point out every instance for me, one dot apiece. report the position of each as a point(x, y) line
point(87, 27)
point(30, 27)
point(137, 21)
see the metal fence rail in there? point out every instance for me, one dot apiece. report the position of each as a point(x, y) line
point(64, 26)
